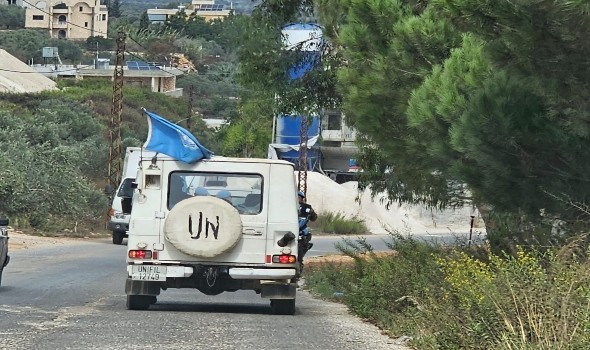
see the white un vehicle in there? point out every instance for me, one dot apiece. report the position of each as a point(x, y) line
point(181, 235)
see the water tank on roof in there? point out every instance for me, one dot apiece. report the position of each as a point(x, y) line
point(50, 52)
point(288, 128)
point(306, 40)
point(101, 63)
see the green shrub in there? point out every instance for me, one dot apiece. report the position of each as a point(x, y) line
point(336, 223)
point(468, 298)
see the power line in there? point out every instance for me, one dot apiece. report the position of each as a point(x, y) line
point(55, 71)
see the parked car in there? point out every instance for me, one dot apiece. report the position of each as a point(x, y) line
point(4, 258)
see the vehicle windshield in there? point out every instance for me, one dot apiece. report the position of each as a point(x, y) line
point(125, 190)
point(244, 191)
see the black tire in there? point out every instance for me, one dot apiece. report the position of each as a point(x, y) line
point(140, 302)
point(118, 237)
point(282, 306)
point(1, 269)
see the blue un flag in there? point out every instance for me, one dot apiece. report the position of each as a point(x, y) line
point(173, 140)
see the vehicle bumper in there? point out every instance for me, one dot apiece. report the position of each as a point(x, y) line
point(114, 225)
point(247, 273)
point(239, 273)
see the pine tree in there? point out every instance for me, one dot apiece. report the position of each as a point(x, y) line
point(114, 7)
point(144, 22)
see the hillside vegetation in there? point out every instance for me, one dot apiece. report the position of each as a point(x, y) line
point(54, 151)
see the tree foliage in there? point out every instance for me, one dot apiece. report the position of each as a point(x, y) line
point(46, 156)
point(114, 7)
point(12, 17)
point(454, 100)
point(27, 44)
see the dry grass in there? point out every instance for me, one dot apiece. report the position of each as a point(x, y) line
point(337, 259)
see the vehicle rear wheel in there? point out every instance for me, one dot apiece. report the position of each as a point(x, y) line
point(118, 237)
point(282, 306)
point(140, 302)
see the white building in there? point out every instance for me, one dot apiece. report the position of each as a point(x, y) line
point(207, 9)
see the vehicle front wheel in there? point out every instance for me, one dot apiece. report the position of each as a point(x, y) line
point(282, 306)
point(140, 302)
point(118, 237)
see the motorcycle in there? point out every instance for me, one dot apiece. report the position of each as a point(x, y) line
point(304, 239)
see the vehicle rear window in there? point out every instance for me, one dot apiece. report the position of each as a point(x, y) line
point(245, 190)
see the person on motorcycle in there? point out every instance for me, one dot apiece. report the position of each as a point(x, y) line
point(306, 214)
point(305, 209)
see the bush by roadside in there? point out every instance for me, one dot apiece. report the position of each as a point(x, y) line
point(337, 223)
point(465, 298)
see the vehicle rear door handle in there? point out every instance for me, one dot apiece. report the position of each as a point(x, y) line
point(251, 231)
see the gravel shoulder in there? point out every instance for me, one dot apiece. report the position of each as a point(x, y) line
point(19, 240)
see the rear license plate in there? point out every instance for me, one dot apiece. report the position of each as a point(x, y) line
point(148, 273)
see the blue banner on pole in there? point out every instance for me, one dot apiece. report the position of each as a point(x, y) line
point(173, 140)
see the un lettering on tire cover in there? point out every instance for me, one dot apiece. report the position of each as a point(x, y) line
point(203, 226)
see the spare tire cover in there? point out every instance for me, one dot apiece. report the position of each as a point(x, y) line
point(203, 226)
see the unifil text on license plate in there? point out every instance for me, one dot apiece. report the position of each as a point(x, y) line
point(148, 273)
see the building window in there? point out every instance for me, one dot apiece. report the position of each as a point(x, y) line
point(81, 9)
point(86, 24)
point(104, 17)
point(37, 17)
point(334, 121)
point(11, 2)
point(62, 19)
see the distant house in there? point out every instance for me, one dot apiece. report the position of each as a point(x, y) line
point(17, 77)
point(68, 19)
point(139, 74)
point(206, 9)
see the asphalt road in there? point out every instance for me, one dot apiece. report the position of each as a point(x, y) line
point(326, 244)
point(72, 297)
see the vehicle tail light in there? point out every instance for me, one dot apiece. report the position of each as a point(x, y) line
point(284, 259)
point(140, 254)
point(154, 255)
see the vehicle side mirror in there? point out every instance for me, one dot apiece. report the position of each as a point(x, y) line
point(109, 189)
point(4, 222)
point(134, 185)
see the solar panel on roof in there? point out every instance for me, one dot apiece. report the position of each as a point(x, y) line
point(132, 65)
point(211, 7)
point(140, 65)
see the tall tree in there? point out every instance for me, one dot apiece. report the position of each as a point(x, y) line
point(114, 7)
point(144, 21)
point(454, 100)
point(12, 17)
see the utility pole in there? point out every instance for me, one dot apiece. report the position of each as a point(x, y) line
point(96, 62)
point(189, 117)
point(302, 166)
point(115, 125)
